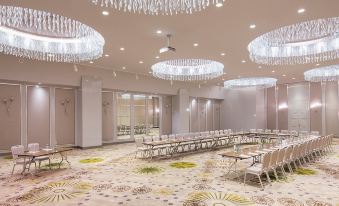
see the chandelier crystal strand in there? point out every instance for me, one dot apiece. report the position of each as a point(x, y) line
point(328, 73)
point(156, 7)
point(259, 82)
point(41, 35)
point(188, 69)
point(302, 43)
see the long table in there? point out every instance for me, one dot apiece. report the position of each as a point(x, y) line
point(45, 152)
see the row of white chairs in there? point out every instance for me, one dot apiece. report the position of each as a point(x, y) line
point(296, 154)
point(24, 161)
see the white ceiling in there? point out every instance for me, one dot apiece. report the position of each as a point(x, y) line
point(216, 30)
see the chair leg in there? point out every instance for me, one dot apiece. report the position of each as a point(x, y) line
point(35, 165)
point(275, 174)
point(245, 178)
point(268, 178)
point(49, 163)
point(262, 186)
point(13, 169)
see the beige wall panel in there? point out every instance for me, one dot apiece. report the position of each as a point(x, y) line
point(209, 115)
point(315, 107)
point(38, 113)
point(166, 115)
point(65, 116)
point(107, 116)
point(10, 116)
point(194, 123)
point(282, 111)
point(216, 115)
point(271, 108)
point(202, 115)
point(332, 122)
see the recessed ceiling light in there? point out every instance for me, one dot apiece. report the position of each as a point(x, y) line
point(106, 55)
point(223, 79)
point(105, 13)
point(150, 72)
point(195, 44)
point(273, 71)
point(159, 32)
point(219, 4)
point(284, 75)
point(123, 68)
point(301, 10)
point(259, 67)
point(243, 61)
point(293, 77)
point(318, 64)
point(222, 54)
point(39, 83)
point(122, 49)
point(157, 57)
point(141, 62)
point(91, 62)
point(252, 26)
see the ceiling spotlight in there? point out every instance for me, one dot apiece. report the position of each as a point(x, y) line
point(159, 32)
point(105, 13)
point(318, 64)
point(75, 67)
point(273, 71)
point(141, 62)
point(252, 26)
point(243, 61)
point(302, 10)
point(91, 62)
point(122, 49)
point(293, 77)
point(106, 55)
point(123, 68)
point(150, 72)
point(284, 75)
point(195, 44)
point(259, 67)
point(219, 5)
point(157, 57)
point(39, 83)
point(222, 54)
point(114, 74)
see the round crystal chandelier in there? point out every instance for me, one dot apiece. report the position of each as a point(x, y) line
point(156, 7)
point(259, 82)
point(188, 69)
point(302, 43)
point(328, 73)
point(41, 35)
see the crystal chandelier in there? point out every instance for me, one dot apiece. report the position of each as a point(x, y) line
point(188, 69)
point(328, 73)
point(156, 7)
point(259, 82)
point(302, 43)
point(46, 36)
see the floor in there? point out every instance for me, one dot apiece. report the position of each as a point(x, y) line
point(111, 175)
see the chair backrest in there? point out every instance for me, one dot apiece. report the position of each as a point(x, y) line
point(274, 158)
point(295, 151)
point(156, 138)
point(179, 137)
point(314, 133)
point(139, 141)
point(148, 139)
point(266, 161)
point(281, 155)
point(260, 130)
point(288, 153)
point(164, 137)
point(268, 131)
point(33, 147)
point(16, 150)
point(284, 132)
point(230, 131)
point(276, 131)
point(252, 130)
point(171, 137)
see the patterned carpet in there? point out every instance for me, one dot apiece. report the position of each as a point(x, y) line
point(112, 176)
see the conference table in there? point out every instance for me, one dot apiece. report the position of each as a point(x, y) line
point(42, 153)
point(173, 145)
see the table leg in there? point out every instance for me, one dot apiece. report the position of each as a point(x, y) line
point(64, 158)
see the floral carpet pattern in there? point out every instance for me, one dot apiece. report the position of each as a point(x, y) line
point(110, 175)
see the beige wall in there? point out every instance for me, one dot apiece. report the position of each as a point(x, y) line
point(65, 116)
point(166, 115)
point(107, 117)
point(282, 112)
point(10, 116)
point(38, 113)
point(331, 107)
point(316, 109)
point(271, 108)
